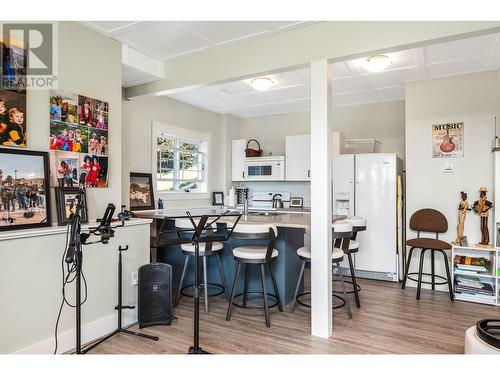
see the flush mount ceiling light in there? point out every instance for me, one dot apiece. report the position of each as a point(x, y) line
point(377, 63)
point(261, 83)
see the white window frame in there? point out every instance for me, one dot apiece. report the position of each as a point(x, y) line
point(162, 129)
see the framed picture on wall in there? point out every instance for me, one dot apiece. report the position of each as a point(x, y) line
point(217, 198)
point(66, 201)
point(24, 189)
point(141, 191)
point(448, 140)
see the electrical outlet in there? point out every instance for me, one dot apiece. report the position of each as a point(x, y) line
point(134, 278)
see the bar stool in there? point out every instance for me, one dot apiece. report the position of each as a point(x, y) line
point(431, 221)
point(207, 250)
point(341, 236)
point(358, 225)
point(259, 255)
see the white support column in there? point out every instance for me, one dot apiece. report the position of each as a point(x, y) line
point(321, 197)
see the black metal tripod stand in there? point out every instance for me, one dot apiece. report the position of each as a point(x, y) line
point(119, 309)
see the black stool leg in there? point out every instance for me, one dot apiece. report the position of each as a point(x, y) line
point(405, 276)
point(219, 263)
point(264, 292)
point(353, 278)
point(420, 270)
point(344, 291)
point(433, 277)
point(178, 297)
point(245, 286)
point(205, 283)
point(447, 266)
point(233, 292)
point(275, 286)
point(301, 274)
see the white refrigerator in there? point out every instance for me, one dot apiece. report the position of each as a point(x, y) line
point(369, 185)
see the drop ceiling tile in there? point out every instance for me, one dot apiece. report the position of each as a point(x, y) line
point(350, 84)
point(285, 24)
point(391, 93)
point(300, 104)
point(111, 26)
point(235, 88)
point(355, 98)
point(220, 32)
point(289, 78)
point(399, 60)
point(164, 39)
point(341, 70)
point(261, 110)
point(474, 64)
point(305, 73)
point(293, 92)
point(392, 77)
point(460, 49)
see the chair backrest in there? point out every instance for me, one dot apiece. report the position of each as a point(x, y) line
point(428, 220)
point(341, 234)
point(257, 232)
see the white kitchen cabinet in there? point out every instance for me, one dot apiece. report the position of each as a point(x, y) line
point(238, 159)
point(298, 157)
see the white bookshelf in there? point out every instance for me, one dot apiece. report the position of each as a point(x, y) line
point(491, 277)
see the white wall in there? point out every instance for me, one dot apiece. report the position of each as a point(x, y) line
point(30, 268)
point(473, 99)
point(138, 116)
point(382, 121)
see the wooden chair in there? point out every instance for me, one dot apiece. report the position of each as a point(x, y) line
point(430, 221)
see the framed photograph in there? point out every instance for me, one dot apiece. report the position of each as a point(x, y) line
point(24, 189)
point(66, 199)
point(13, 118)
point(217, 198)
point(296, 202)
point(141, 191)
point(448, 140)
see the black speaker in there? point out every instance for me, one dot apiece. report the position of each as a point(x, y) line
point(155, 294)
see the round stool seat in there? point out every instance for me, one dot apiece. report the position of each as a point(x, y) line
point(353, 245)
point(305, 252)
point(342, 226)
point(253, 252)
point(357, 221)
point(189, 248)
point(474, 344)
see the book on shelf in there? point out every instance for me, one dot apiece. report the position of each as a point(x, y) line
point(471, 265)
point(473, 285)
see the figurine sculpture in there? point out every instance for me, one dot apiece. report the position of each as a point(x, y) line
point(482, 206)
point(463, 207)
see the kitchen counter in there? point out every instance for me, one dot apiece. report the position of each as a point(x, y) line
point(286, 219)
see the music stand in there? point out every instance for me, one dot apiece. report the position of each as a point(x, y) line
point(197, 238)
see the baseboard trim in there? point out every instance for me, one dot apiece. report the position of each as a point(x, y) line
point(90, 332)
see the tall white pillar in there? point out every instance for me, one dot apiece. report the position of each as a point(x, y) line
point(321, 197)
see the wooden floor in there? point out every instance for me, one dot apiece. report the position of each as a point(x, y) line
point(390, 320)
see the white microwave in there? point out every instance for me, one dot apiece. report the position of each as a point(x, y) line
point(265, 168)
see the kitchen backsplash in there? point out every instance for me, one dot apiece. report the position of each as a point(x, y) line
point(296, 189)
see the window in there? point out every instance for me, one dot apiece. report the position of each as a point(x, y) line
point(180, 164)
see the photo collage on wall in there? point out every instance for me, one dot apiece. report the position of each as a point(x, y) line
point(78, 140)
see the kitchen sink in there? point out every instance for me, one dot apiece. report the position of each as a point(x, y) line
point(266, 213)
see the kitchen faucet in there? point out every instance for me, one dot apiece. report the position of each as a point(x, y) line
point(245, 205)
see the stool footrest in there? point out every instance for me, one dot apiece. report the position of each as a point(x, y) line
point(216, 293)
point(254, 293)
point(428, 282)
point(297, 299)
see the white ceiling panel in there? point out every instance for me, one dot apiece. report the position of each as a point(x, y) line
point(474, 64)
point(391, 93)
point(286, 24)
point(166, 39)
point(293, 92)
point(110, 26)
point(461, 49)
point(133, 77)
point(392, 77)
point(355, 98)
point(353, 84)
point(340, 70)
point(350, 84)
point(228, 31)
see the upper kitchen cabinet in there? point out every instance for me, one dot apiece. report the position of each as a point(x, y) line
point(298, 157)
point(238, 159)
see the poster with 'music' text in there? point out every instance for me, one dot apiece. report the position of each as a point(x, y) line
point(448, 140)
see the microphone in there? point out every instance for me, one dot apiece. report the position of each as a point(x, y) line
point(70, 253)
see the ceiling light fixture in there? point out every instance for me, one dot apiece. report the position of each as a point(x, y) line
point(377, 63)
point(261, 83)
